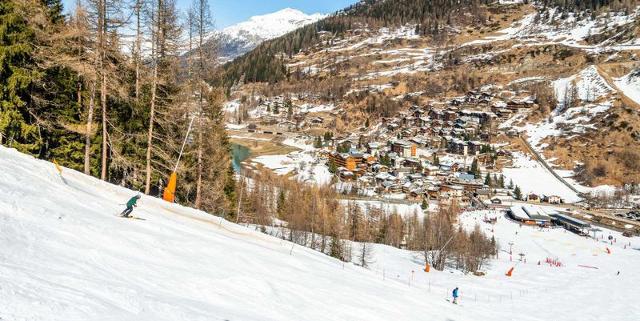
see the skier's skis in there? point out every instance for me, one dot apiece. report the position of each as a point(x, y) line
point(134, 218)
point(130, 217)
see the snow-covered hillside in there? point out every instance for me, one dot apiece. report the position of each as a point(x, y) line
point(240, 38)
point(65, 256)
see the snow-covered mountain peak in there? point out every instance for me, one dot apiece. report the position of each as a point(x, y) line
point(235, 40)
point(272, 25)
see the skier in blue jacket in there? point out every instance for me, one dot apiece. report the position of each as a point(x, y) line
point(455, 295)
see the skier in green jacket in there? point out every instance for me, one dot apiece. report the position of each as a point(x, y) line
point(130, 205)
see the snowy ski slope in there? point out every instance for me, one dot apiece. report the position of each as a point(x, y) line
point(65, 256)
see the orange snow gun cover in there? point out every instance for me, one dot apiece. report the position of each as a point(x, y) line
point(510, 272)
point(169, 194)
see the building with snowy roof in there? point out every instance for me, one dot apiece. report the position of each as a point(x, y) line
point(570, 223)
point(528, 214)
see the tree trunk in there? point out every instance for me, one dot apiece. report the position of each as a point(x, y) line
point(103, 97)
point(102, 33)
point(138, 53)
point(156, 46)
point(200, 85)
point(87, 141)
point(154, 87)
point(198, 201)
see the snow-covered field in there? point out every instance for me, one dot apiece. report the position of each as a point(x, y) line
point(64, 255)
point(302, 163)
point(405, 210)
point(630, 85)
point(532, 177)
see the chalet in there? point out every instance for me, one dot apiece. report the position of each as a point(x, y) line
point(436, 114)
point(457, 146)
point(392, 187)
point(520, 103)
point(384, 176)
point(345, 174)
point(474, 147)
point(404, 148)
point(553, 199)
point(433, 192)
point(373, 148)
point(533, 198)
point(412, 163)
point(471, 186)
point(453, 190)
point(450, 115)
point(348, 161)
point(482, 194)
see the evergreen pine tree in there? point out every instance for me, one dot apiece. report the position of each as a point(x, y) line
point(332, 166)
point(487, 180)
point(517, 193)
point(54, 10)
point(474, 168)
point(17, 74)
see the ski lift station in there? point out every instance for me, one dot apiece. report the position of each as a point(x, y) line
point(571, 224)
point(536, 215)
point(530, 215)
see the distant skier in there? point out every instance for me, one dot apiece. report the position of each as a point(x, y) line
point(130, 205)
point(455, 295)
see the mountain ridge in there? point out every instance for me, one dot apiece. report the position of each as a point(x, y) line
point(240, 38)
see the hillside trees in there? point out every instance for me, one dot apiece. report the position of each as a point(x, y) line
point(39, 100)
point(165, 33)
point(267, 62)
point(593, 5)
point(18, 125)
point(60, 76)
point(312, 216)
point(105, 17)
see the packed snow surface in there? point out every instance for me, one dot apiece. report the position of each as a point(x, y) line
point(64, 255)
point(301, 163)
point(532, 177)
point(630, 85)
